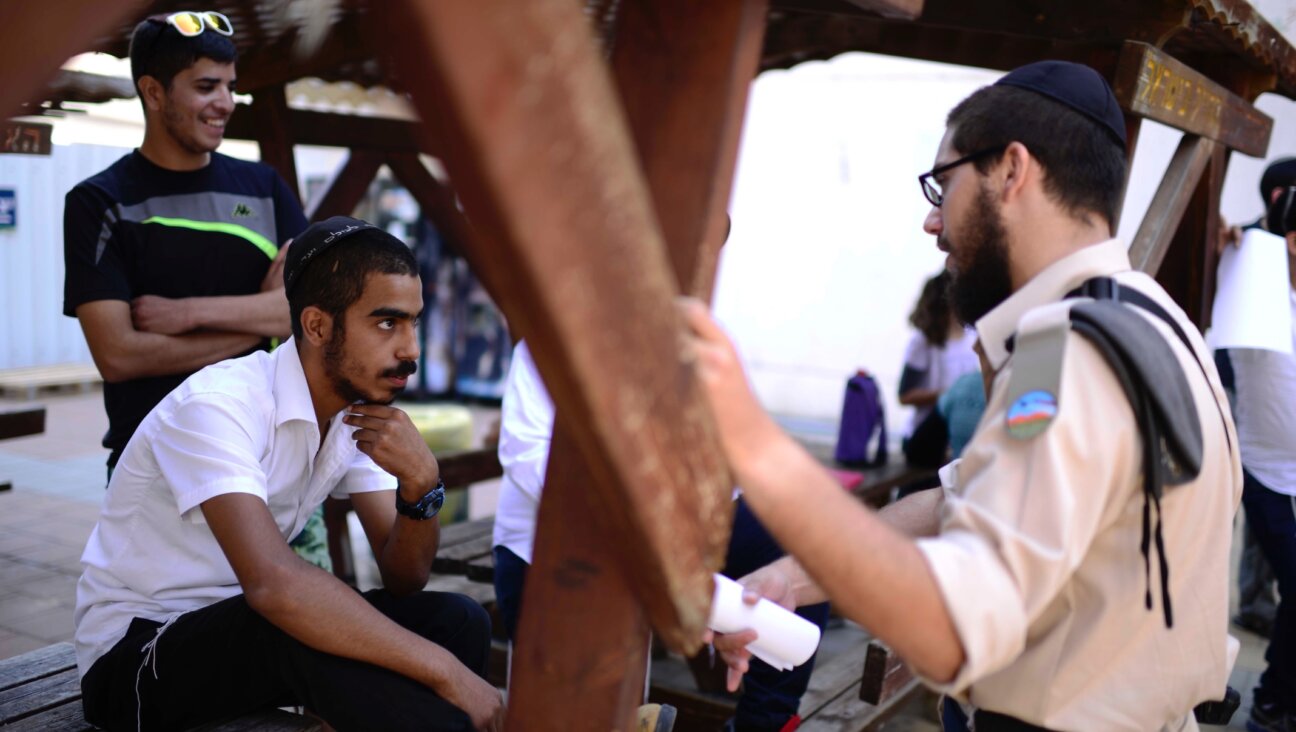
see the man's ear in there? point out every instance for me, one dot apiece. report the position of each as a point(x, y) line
point(1013, 168)
point(317, 326)
point(152, 92)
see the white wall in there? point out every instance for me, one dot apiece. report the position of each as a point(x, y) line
point(33, 331)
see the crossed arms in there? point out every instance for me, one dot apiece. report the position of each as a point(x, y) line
point(157, 336)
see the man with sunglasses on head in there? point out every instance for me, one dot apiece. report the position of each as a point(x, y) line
point(173, 252)
point(1071, 573)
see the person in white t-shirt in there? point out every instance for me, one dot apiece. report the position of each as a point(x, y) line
point(193, 608)
point(1264, 383)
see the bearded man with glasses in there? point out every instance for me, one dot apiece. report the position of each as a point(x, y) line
point(1071, 573)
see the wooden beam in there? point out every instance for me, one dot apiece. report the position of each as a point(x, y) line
point(270, 112)
point(1187, 272)
point(683, 70)
point(580, 626)
point(1168, 205)
point(279, 63)
point(41, 36)
point(347, 188)
point(440, 205)
point(328, 129)
point(795, 38)
point(538, 152)
point(1153, 85)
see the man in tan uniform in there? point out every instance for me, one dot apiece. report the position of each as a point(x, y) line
point(1024, 587)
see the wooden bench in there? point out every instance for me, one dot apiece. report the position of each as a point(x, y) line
point(29, 380)
point(40, 692)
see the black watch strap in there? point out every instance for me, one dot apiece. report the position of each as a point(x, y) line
point(424, 508)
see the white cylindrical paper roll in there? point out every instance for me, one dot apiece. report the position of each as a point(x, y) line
point(784, 639)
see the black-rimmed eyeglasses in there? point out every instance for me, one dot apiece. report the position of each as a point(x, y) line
point(931, 189)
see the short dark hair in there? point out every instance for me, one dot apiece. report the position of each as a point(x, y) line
point(336, 279)
point(1084, 168)
point(159, 51)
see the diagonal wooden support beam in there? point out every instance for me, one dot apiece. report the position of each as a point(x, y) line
point(683, 70)
point(347, 188)
point(538, 151)
point(1188, 270)
point(40, 36)
point(1171, 200)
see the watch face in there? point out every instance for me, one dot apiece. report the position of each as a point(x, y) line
point(426, 507)
point(434, 505)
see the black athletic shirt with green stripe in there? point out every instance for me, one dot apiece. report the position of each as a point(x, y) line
point(138, 229)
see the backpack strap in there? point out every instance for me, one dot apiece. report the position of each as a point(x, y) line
point(1107, 288)
point(1172, 452)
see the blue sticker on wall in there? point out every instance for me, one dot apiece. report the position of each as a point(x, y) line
point(8, 208)
point(1031, 414)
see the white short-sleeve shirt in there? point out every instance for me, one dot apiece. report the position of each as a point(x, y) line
point(245, 425)
point(940, 365)
point(1266, 412)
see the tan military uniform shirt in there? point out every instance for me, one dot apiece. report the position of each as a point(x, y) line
point(1038, 557)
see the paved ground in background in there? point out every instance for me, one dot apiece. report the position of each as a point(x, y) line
point(58, 482)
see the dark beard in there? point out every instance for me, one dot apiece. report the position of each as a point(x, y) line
point(333, 359)
point(984, 283)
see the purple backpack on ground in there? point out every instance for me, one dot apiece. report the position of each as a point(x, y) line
point(862, 417)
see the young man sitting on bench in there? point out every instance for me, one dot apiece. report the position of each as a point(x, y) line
point(192, 607)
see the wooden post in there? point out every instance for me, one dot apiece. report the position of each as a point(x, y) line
point(273, 136)
point(347, 188)
point(538, 151)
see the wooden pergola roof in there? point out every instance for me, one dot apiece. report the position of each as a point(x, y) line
point(1227, 38)
point(592, 150)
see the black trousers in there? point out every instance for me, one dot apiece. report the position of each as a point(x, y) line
point(226, 660)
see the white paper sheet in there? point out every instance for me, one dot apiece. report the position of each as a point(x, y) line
point(1252, 295)
point(784, 639)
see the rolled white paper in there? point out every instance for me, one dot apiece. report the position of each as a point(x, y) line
point(784, 639)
